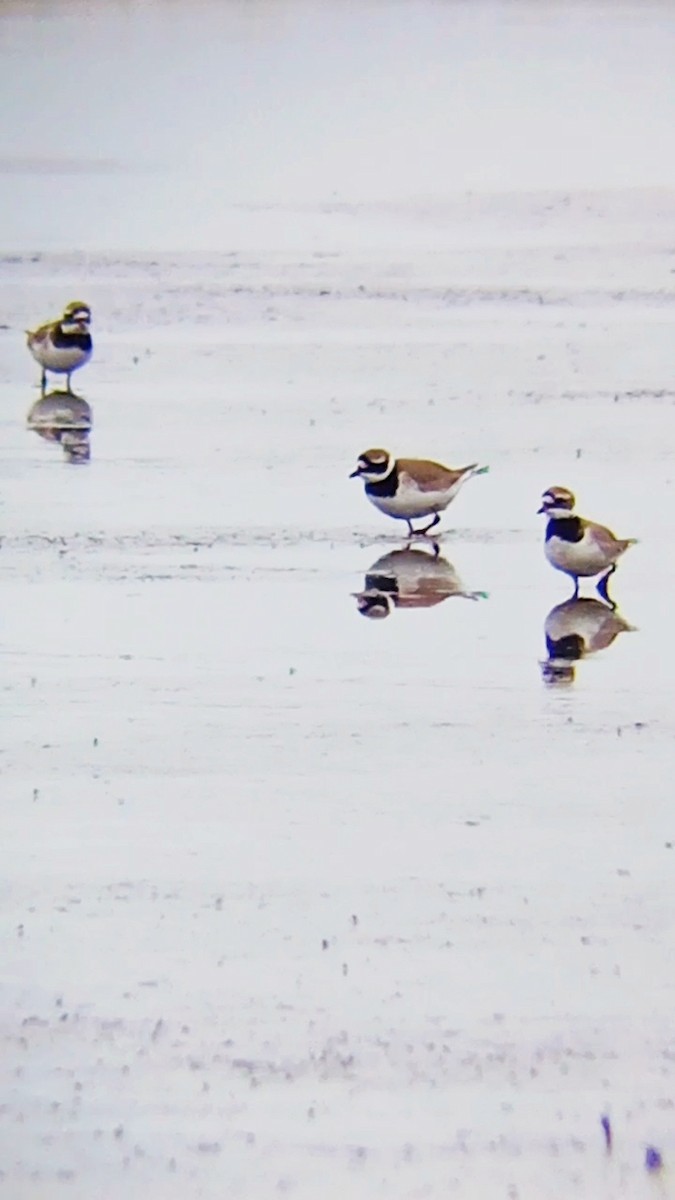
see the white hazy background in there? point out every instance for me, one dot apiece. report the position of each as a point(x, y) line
point(151, 119)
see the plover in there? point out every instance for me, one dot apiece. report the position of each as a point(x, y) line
point(580, 548)
point(409, 488)
point(65, 345)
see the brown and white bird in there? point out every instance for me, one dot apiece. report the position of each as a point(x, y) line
point(580, 548)
point(65, 345)
point(575, 630)
point(409, 578)
point(411, 488)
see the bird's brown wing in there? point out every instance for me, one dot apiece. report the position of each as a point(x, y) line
point(40, 334)
point(431, 476)
point(606, 541)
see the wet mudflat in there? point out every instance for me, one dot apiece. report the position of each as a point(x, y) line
point(296, 901)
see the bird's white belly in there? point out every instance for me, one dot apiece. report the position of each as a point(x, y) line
point(411, 502)
point(59, 358)
point(576, 558)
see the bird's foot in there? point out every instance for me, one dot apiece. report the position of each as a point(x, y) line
point(427, 528)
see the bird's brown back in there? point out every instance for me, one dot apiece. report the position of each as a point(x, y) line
point(40, 334)
point(431, 476)
point(605, 539)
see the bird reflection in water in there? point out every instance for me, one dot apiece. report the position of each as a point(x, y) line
point(575, 630)
point(65, 418)
point(409, 578)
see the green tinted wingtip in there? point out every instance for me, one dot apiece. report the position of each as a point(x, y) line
point(482, 471)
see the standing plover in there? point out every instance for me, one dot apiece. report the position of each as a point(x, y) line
point(578, 547)
point(407, 488)
point(65, 345)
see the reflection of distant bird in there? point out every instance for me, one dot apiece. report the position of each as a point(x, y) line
point(578, 547)
point(65, 418)
point(407, 488)
point(65, 345)
point(409, 578)
point(576, 629)
point(75, 446)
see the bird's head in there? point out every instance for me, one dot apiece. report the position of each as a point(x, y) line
point(373, 465)
point(557, 502)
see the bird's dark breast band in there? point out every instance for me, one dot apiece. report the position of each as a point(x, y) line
point(568, 529)
point(384, 487)
point(68, 341)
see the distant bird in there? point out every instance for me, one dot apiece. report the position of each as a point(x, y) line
point(65, 345)
point(409, 578)
point(408, 488)
point(576, 629)
point(580, 548)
